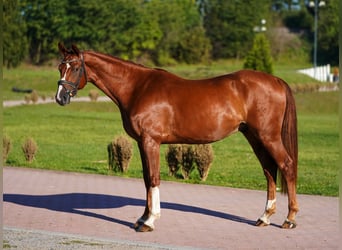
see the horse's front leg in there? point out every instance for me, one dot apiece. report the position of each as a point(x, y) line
point(149, 152)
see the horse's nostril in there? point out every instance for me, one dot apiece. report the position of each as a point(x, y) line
point(66, 99)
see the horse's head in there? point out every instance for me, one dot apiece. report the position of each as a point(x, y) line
point(73, 75)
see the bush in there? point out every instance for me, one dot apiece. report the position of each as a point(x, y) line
point(259, 57)
point(27, 98)
point(173, 158)
point(306, 88)
point(187, 161)
point(93, 95)
point(186, 156)
point(203, 157)
point(7, 146)
point(120, 152)
point(30, 149)
point(32, 97)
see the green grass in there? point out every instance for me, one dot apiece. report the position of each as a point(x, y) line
point(42, 79)
point(75, 137)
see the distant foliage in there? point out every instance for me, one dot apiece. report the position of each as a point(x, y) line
point(158, 32)
point(229, 25)
point(120, 152)
point(259, 57)
point(14, 34)
point(29, 148)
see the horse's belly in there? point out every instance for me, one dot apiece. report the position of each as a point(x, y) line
point(207, 129)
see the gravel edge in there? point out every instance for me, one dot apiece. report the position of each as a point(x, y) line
point(17, 238)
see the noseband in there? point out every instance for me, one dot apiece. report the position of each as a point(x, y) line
point(73, 85)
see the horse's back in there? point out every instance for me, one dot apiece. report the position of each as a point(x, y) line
point(214, 108)
point(259, 79)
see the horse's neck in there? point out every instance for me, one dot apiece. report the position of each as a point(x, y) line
point(115, 77)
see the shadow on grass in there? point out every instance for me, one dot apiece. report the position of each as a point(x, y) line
point(73, 202)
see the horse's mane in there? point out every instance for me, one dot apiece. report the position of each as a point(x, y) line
point(111, 58)
point(132, 64)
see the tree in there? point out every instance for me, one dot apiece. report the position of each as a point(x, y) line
point(193, 47)
point(289, 5)
point(259, 57)
point(43, 18)
point(14, 28)
point(229, 24)
point(328, 34)
point(181, 26)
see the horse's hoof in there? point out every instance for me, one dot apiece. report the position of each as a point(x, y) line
point(261, 223)
point(137, 225)
point(143, 228)
point(289, 224)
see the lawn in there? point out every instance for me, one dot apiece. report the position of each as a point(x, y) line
point(75, 137)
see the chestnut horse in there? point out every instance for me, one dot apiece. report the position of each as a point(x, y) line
point(156, 104)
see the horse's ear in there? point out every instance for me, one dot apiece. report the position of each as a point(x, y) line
point(75, 49)
point(62, 48)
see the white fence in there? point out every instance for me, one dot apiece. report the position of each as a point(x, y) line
point(321, 73)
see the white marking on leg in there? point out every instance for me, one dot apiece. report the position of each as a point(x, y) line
point(155, 210)
point(269, 204)
point(155, 201)
point(266, 215)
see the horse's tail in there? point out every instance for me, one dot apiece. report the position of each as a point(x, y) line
point(289, 135)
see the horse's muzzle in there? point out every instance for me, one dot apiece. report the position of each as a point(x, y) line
point(62, 97)
point(65, 99)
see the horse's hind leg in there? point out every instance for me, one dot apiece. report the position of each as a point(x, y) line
point(270, 171)
point(287, 167)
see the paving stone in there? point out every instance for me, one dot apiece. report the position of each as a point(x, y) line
point(193, 216)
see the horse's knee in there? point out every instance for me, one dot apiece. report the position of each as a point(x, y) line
point(287, 169)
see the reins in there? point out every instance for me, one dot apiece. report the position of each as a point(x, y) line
point(72, 84)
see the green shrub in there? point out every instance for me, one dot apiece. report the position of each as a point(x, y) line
point(187, 156)
point(27, 98)
point(7, 146)
point(93, 95)
point(173, 156)
point(187, 161)
point(120, 152)
point(306, 88)
point(259, 57)
point(34, 96)
point(30, 149)
point(203, 157)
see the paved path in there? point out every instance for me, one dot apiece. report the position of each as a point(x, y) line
point(103, 208)
point(13, 103)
